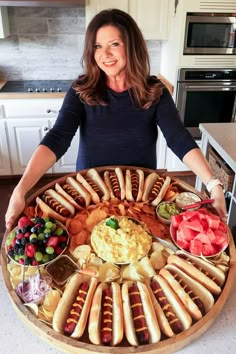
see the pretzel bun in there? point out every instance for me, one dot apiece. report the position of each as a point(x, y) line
point(105, 326)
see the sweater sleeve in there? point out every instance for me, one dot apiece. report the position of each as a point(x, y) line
point(59, 138)
point(178, 138)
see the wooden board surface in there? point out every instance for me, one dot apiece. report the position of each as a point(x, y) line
point(70, 345)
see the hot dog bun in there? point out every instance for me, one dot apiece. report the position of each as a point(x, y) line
point(195, 273)
point(60, 199)
point(94, 195)
point(170, 312)
point(69, 297)
point(134, 183)
point(146, 320)
point(96, 178)
point(155, 188)
point(74, 192)
point(216, 273)
point(115, 183)
point(95, 324)
point(195, 297)
point(48, 211)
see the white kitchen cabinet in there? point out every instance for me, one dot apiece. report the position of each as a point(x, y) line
point(24, 137)
point(93, 7)
point(151, 16)
point(5, 166)
point(27, 121)
point(4, 24)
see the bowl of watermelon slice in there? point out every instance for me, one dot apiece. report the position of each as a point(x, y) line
point(199, 232)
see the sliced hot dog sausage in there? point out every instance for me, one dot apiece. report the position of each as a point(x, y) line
point(140, 324)
point(107, 316)
point(76, 309)
point(173, 320)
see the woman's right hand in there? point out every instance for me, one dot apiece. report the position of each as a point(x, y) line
point(15, 207)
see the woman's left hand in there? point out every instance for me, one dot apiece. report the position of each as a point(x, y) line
point(219, 202)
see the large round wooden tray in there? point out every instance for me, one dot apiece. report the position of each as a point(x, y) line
point(70, 345)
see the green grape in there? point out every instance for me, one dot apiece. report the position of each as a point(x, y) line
point(38, 256)
point(59, 231)
point(48, 225)
point(45, 258)
point(41, 236)
point(47, 230)
point(32, 236)
point(49, 250)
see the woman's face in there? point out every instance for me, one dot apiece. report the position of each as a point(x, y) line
point(109, 52)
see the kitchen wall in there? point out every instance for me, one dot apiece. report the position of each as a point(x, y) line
point(47, 43)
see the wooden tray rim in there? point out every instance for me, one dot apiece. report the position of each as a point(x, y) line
point(68, 345)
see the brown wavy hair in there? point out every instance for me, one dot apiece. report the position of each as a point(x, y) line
point(145, 89)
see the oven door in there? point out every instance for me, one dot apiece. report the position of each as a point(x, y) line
point(205, 103)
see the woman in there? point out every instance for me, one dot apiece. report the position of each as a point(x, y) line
point(118, 106)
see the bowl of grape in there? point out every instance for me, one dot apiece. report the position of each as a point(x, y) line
point(36, 242)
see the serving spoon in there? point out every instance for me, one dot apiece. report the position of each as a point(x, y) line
point(197, 204)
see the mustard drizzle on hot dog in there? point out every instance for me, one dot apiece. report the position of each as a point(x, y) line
point(138, 316)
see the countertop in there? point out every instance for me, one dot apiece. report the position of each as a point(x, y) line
point(15, 337)
point(222, 137)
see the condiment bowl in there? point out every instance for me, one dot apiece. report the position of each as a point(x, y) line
point(165, 210)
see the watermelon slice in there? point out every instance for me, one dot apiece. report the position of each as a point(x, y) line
point(199, 232)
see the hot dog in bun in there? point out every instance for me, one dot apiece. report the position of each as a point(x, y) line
point(74, 192)
point(115, 183)
point(73, 309)
point(95, 185)
point(208, 275)
point(155, 188)
point(55, 205)
point(172, 316)
point(105, 325)
point(134, 181)
point(195, 297)
point(141, 326)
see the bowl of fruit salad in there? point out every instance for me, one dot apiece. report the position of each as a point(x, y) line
point(36, 242)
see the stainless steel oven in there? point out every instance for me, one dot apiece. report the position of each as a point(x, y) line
point(206, 96)
point(210, 33)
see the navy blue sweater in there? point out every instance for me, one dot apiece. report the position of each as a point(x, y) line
point(118, 133)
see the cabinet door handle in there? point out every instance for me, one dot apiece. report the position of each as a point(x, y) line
point(49, 110)
point(45, 129)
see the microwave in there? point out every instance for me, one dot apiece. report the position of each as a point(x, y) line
point(210, 33)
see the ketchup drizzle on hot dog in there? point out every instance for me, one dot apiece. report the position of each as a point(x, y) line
point(107, 316)
point(189, 291)
point(74, 194)
point(135, 183)
point(55, 205)
point(140, 324)
point(156, 189)
point(174, 322)
point(114, 183)
point(76, 309)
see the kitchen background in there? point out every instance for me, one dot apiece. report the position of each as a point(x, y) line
point(47, 43)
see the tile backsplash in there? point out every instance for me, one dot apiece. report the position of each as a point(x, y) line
point(47, 43)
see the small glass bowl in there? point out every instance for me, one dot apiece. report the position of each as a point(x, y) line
point(174, 209)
